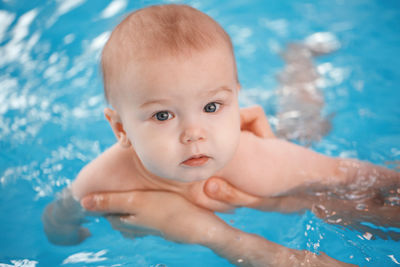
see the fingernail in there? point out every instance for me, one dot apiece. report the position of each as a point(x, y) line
point(88, 202)
point(213, 187)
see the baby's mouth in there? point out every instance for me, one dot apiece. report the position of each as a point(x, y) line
point(196, 161)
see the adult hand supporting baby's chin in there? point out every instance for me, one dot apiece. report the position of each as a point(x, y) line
point(170, 214)
point(157, 212)
point(215, 194)
point(220, 190)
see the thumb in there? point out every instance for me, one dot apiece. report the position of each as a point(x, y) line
point(219, 189)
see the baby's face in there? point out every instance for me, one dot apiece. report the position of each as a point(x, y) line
point(181, 114)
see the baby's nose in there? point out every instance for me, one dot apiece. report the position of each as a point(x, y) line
point(192, 134)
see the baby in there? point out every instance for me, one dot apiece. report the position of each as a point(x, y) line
point(170, 76)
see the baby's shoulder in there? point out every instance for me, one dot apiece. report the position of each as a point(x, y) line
point(110, 171)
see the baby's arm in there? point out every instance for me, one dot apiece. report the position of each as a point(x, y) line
point(62, 220)
point(274, 167)
point(111, 171)
point(114, 170)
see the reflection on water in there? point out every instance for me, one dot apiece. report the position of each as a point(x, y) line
point(300, 96)
point(86, 257)
point(40, 74)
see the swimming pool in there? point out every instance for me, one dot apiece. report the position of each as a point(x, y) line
point(51, 121)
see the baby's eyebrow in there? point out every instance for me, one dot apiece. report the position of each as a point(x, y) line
point(210, 93)
point(154, 102)
point(219, 89)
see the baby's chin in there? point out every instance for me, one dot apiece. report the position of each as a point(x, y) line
point(188, 178)
point(188, 174)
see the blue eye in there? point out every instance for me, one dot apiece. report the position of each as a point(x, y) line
point(212, 107)
point(162, 116)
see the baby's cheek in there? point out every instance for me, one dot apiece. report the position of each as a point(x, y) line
point(156, 158)
point(230, 142)
point(225, 146)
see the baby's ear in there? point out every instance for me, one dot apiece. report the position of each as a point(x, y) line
point(118, 128)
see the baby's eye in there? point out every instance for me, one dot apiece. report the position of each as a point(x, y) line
point(212, 107)
point(162, 116)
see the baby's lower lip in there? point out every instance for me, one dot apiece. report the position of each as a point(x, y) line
point(196, 162)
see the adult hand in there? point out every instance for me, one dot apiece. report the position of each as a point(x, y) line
point(176, 219)
point(214, 194)
point(220, 190)
point(163, 213)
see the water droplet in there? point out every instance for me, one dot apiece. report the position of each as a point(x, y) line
point(367, 235)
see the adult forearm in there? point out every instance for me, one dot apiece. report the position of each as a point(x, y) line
point(244, 249)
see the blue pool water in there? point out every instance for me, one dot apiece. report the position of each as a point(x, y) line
point(51, 121)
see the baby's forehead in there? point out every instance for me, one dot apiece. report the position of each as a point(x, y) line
point(145, 61)
point(174, 78)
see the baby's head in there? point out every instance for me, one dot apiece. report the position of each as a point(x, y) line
point(170, 75)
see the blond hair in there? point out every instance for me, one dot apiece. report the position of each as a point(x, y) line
point(155, 31)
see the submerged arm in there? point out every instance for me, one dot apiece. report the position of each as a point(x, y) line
point(62, 220)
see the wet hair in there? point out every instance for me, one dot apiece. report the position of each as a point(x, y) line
point(157, 31)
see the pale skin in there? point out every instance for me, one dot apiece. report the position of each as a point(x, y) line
point(189, 223)
point(227, 142)
point(181, 89)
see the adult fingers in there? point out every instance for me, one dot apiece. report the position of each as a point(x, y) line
point(121, 202)
point(195, 193)
point(221, 190)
